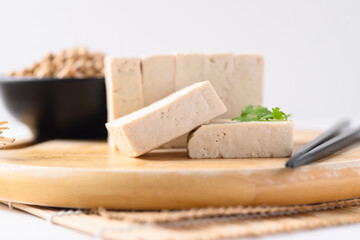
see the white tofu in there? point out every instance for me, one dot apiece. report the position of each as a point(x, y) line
point(158, 77)
point(179, 142)
point(237, 78)
point(189, 69)
point(123, 79)
point(131, 84)
point(150, 127)
point(231, 139)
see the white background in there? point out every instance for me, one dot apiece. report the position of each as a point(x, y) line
point(311, 48)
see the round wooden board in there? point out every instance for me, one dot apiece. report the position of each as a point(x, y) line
point(85, 174)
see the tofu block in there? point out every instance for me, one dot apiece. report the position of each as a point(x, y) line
point(124, 93)
point(189, 69)
point(230, 139)
point(148, 128)
point(123, 79)
point(237, 78)
point(179, 142)
point(158, 77)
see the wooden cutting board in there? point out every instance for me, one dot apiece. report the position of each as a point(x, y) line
point(87, 174)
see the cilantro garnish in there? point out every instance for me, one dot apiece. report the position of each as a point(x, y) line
point(261, 114)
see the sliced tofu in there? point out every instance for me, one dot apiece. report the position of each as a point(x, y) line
point(131, 84)
point(158, 77)
point(237, 78)
point(189, 69)
point(249, 71)
point(123, 79)
point(230, 139)
point(179, 142)
point(150, 127)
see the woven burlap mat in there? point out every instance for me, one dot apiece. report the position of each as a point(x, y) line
point(205, 223)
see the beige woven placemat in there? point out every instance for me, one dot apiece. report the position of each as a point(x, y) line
point(206, 223)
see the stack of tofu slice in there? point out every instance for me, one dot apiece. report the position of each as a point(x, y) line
point(134, 83)
point(224, 138)
point(150, 127)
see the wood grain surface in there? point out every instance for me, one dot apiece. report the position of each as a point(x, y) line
point(87, 174)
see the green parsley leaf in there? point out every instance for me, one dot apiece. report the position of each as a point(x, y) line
point(261, 114)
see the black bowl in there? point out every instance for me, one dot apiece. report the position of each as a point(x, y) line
point(57, 108)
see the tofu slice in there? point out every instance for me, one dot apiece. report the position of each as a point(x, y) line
point(150, 127)
point(158, 77)
point(189, 69)
point(237, 78)
point(229, 139)
point(179, 142)
point(123, 79)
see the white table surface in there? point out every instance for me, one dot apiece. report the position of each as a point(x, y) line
point(15, 224)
